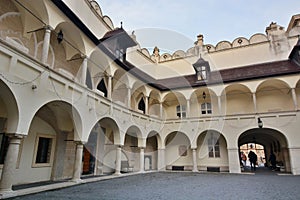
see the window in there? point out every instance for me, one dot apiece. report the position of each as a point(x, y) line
point(213, 146)
point(44, 151)
point(206, 108)
point(4, 142)
point(120, 54)
point(142, 105)
point(201, 73)
point(181, 111)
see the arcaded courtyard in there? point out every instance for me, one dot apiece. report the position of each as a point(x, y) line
point(183, 185)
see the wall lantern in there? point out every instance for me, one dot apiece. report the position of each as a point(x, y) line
point(259, 123)
point(204, 95)
point(60, 36)
point(202, 69)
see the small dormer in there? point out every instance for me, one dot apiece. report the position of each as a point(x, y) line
point(202, 69)
point(117, 41)
point(295, 54)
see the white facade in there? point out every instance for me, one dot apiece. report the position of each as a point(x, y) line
point(68, 101)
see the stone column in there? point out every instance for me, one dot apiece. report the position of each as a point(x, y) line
point(146, 105)
point(46, 44)
point(118, 160)
point(109, 87)
point(220, 105)
point(161, 165)
point(234, 160)
point(129, 97)
point(195, 165)
point(84, 70)
point(78, 162)
point(10, 164)
point(295, 98)
point(254, 102)
point(160, 110)
point(188, 109)
point(142, 159)
point(295, 157)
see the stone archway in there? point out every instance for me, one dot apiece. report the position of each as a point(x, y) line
point(272, 141)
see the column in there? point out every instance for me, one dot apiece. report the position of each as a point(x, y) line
point(161, 166)
point(129, 97)
point(195, 165)
point(46, 44)
point(84, 70)
point(142, 159)
point(295, 157)
point(188, 109)
point(220, 105)
point(78, 162)
point(234, 160)
point(295, 98)
point(10, 164)
point(160, 110)
point(118, 160)
point(254, 102)
point(109, 87)
point(146, 105)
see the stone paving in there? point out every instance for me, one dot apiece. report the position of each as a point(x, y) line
point(182, 185)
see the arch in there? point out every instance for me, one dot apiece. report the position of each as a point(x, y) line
point(237, 99)
point(223, 45)
point(272, 140)
point(272, 89)
point(171, 101)
point(212, 150)
point(154, 103)
point(240, 41)
point(258, 38)
point(120, 88)
point(9, 108)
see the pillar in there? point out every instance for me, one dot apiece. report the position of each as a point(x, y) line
point(295, 158)
point(160, 110)
point(188, 109)
point(161, 165)
point(10, 164)
point(128, 97)
point(109, 87)
point(84, 70)
point(254, 102)
point(146, 105)
point(220, 105)
point(295, 98)
point(234, 160)
point(118, 160)
point(142, 159)
point(46, 44)
point(195, 165)
point(78, 162)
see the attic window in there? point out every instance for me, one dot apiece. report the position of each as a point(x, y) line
point(202, 69)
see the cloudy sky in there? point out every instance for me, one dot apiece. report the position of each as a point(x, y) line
point(174, 24)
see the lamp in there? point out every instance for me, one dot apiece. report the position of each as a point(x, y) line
point(60, 36)
point(259, 123)
point(204, 95)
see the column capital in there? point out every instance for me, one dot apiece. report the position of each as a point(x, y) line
point(48, 27)
point(15, 135)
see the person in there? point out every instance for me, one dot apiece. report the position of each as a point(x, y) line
point(252, 158)
point(244, 158)
point(272, 159)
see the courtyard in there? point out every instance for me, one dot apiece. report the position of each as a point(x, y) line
point(263, 184)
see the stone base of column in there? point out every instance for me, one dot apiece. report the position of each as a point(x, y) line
point(77, 181)
point(117, 173)
point(6, 193)
point(195, 170)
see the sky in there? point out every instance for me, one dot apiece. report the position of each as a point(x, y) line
point(172, 25)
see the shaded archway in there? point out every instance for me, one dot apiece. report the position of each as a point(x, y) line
point(212, 153)
point(178, 155)
point(272, 141)
point(151, 151)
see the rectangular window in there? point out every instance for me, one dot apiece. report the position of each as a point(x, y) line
point(44, 150)
point(181, 111)
point(206, 108)
point(213, 147)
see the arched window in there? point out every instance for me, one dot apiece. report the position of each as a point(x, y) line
point(142, 105)
point(181, 111)
point(102, 87)
point(206, 108)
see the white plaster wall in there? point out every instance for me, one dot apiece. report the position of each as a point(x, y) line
point(26, 173)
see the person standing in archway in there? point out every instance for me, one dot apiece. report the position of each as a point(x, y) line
point(252, 158)
point(272, 159)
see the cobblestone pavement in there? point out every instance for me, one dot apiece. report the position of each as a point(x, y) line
point(182, 185)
